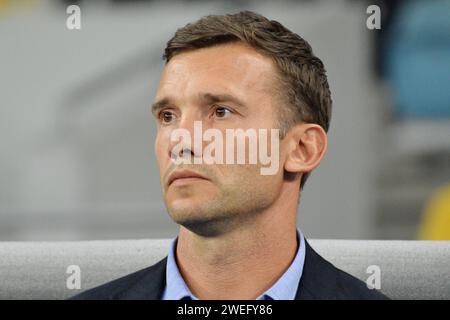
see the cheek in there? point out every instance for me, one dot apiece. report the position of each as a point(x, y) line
point(240, 176)
point(161, 145)
point(247, 187)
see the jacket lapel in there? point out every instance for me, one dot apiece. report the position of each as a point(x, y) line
point(318, 279)
point(150, 286)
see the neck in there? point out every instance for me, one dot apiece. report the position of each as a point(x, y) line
point(245, 261)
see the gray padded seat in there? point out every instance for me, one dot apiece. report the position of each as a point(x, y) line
point(37, 270)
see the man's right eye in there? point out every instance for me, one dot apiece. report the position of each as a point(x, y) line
point(166, 116)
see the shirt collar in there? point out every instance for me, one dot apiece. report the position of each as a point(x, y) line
point(176, 288)
point(284, 289)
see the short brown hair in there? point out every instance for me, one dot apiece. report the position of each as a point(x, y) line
point(302, 75)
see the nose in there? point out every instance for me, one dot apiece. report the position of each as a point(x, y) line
point(186, 139)
point(185, 153)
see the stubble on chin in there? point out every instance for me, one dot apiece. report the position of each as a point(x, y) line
point(229, 210)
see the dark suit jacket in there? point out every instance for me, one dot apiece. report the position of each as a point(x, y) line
point(320, 280)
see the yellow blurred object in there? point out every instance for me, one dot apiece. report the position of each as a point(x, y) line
point(436, 219)
point(5, 5)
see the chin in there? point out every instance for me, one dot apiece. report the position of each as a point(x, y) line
point(183, 208)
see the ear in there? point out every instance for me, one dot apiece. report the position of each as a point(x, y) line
point(307, 145)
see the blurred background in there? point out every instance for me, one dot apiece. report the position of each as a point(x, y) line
point(76, 131)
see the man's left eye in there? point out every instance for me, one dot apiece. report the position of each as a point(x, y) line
point(221, 112)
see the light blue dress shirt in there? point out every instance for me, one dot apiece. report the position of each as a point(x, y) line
point(284, 289)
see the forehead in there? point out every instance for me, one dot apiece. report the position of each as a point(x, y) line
point(233, 68)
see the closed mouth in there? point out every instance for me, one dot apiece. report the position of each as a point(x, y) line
point(184, 174)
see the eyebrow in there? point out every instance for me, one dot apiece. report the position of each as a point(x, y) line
point(161, 104)
point(214, 98)
point(207, 98)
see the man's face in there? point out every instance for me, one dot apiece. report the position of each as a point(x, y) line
point(228, 86)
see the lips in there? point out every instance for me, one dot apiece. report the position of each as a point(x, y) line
point(184, 174)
